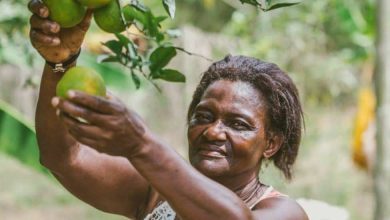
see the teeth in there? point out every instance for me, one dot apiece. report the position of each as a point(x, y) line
point(211, 153)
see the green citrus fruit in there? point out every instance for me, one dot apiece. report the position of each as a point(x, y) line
point(109, 18)
point(81, 79)
point(67, 13)
point(94, 3)
point(130, 13)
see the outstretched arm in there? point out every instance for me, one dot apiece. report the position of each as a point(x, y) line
point(114, 130)
point(106, 182)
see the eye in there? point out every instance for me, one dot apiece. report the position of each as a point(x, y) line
point(202, 117)
point(240, 125)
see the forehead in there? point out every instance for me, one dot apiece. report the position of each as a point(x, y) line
point(237, 95)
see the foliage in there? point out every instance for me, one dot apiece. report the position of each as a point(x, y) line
point(151, 63)
point(269, 5)
point(17, 137)
point(13, 29)
point(124, 50)
point(325, 59)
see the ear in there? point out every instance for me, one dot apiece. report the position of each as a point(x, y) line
point(275, 141)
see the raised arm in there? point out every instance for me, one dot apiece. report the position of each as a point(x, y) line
point(106, 182)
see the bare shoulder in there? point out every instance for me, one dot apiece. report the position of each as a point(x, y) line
point(279, 208)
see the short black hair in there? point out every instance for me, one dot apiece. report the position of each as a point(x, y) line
point(284, 110)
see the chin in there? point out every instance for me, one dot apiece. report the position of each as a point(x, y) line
point(210, 167)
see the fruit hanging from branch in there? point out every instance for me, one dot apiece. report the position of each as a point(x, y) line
point(82, 79)
point(67, 13)
point(109, 18)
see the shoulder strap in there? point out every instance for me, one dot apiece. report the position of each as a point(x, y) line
point(270, 192)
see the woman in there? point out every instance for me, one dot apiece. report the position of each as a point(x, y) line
point(244, 111)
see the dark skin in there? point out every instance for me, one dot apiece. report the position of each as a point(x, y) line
point(116, 164)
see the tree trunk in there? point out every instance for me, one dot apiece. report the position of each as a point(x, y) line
point(382, 86)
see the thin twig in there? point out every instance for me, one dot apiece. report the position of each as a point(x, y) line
point(155, 86)
point(193, 54)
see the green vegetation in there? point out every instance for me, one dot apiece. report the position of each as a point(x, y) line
point(17, 137)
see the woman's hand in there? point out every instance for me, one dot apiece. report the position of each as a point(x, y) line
point(53, 43)
point(109, 128)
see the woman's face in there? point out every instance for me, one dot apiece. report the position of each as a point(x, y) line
point(226, 132)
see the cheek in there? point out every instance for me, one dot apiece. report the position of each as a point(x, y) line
point(249, 145)
point(193, 134)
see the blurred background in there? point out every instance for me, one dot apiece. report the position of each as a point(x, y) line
point(326, 46)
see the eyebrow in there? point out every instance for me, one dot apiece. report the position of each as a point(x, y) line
point(239, 113)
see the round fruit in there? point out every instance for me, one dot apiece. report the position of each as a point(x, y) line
point(67, 13)
point(81, 79)
point(94, 3)
point(109, 18)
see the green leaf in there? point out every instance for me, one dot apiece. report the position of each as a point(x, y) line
point(17, 137)
point(110, 59)
point(144, 16)
point(171, 75)
point(115, 46)
point(160, 57)
point(281, 5)
point(136, 80)
point(251, 2)
point(131, 50)
point(170, 7)
point(123, 39)
point(160, 19)
point(132, 13)
point(152, 25)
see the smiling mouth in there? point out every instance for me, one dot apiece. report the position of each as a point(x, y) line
point(210, 153)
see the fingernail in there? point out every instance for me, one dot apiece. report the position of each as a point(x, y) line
point(71, 94)
point(54, 28)
point(56, 41)
point(43, 12)
point(55, 101)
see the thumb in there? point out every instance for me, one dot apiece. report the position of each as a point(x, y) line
point(84, 24)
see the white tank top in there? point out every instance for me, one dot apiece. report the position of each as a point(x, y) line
point(164, 211)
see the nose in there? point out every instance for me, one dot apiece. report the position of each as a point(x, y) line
point(215, 132)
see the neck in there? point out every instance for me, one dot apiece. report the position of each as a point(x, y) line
point(247, 192)
point(247, 187)
point(239, 183)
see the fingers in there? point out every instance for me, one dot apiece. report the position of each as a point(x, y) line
point(46, 26)
point(77, 111)
point(79, 129)
point(43, 31)
point(99, 104)
point(38, 8)
point(41, 38)
point(91, 142)
point(86, 134)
